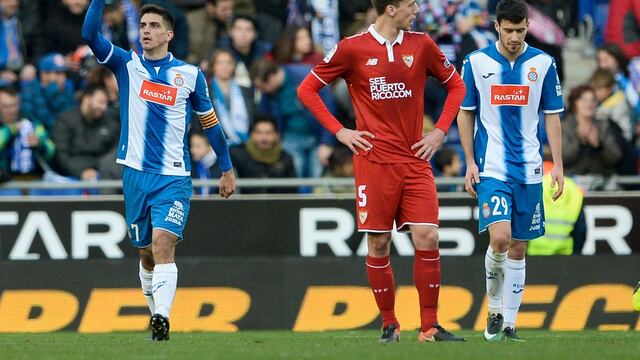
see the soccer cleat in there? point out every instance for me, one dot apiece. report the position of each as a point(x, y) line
point(493, 331)
point(438, 333)
point(636, 297)
point(511, 334)
point(390, 334)
point(159, 328)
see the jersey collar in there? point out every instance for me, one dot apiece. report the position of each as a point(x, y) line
point(380, 39)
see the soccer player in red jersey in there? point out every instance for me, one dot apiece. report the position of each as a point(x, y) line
point(386, 69)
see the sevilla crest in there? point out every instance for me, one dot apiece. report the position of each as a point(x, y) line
point(408, 60)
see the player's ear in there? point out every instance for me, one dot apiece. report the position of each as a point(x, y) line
point(496, 24)
point(169, 35)
point(391, 10)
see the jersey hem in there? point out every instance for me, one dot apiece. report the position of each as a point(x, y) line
point(123, 162)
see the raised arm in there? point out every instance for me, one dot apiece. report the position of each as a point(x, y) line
point(100, 46)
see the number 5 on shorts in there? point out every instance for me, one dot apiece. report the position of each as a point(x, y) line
point(362, 197)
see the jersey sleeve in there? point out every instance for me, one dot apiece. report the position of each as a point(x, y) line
point(334, 65)
point(199, 98)
point(106, 53)
point(437, 65)
point(470, 101)
point(551, 101)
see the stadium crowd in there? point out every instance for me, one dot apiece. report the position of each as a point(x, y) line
point(59, 107)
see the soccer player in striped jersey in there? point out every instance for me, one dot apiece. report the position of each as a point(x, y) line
point(507, 84)
point(157, 95)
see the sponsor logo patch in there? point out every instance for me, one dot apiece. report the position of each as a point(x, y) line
point(408, 60)
point(532, 75)
point(158, 93)
point(514, 95)
point(178, 81)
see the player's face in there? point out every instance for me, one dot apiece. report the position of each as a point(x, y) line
point(405, 13)
point(224, 66)
point(512, 35)
point(264, 136)
point(606, 61)
point(153, 32)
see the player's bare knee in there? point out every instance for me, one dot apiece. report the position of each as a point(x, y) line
point(163, 249)
point(425, 238)
point(500, 241)
point(379, 244)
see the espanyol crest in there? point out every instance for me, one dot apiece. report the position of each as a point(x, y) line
point(408, 60)
point(532, 75)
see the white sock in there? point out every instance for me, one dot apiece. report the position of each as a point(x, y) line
point(145, 280)
point(165, 280)
point(494, 264)
point(514, 277)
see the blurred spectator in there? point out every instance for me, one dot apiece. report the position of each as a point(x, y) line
point(547, 36)
point(296, 46)
point(324, 24)
point(471, 26)
point(352, 13)
point(63, 22)
point(589, 147)
point(84, 135)
point(565, 222)
point(50, 94)
point(179, 45)
point(25, 146)
point(263, 157)
point(623, 26)
point(13, 46)
point(245, 46)
point(340, 166)
point(233, 103)
point(610, 57)
point(203, 39)
point(203, 160)
point(447, 164)
point(30, 22)
point(270, 17)
point(303, 137)
point(102, 76)
point(611, 102)
point(120, 25)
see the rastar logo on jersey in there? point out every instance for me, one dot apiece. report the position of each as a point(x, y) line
point(514, 95)
point(158, 93)
point(381, 90)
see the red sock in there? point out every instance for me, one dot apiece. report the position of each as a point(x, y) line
point(383, 286)
point(426, 277)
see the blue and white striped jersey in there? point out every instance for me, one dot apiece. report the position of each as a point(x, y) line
point(507, 98)
point(156, 99)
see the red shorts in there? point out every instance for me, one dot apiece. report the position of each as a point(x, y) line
point(404, 193)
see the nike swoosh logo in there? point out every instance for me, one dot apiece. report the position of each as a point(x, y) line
point(517, 291)
point(488, 75)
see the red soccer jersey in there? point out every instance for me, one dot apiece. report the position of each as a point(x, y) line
point(386, 83)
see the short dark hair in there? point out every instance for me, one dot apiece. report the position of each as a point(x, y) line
point(576, 93)
point(9, 90)
point(92, 89)
point(262, 70)
point(264, 118)
point(168, 19)
point(245, 17)
point(512, 10)
point(381, 5)
point(443, 158)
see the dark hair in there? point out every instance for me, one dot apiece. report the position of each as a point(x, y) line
point(576, 93)
point(92, 89)
point(286, 44)
point(9, 90)
point(381, 5)
point(341, 155)
point(215, 56)
point(262, 70)
point(602, 77)
point(245, 17)
point(168, 19)
point(263, 118)
point(512, 10)
point(443, 158)
point(617, 53)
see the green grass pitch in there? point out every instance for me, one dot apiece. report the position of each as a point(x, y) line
point(360, 344)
